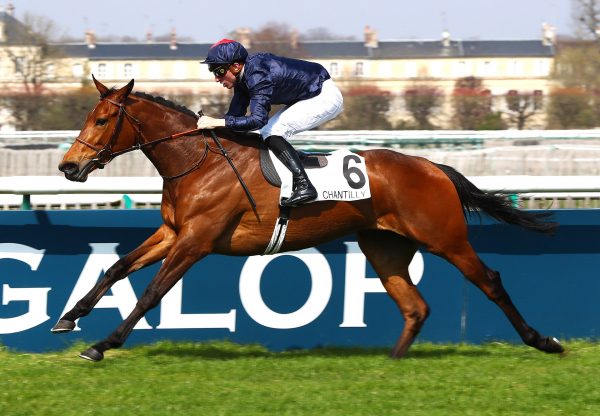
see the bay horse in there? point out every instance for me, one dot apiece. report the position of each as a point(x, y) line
point(205, 209)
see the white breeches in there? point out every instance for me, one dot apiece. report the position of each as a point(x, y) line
point(306, 114)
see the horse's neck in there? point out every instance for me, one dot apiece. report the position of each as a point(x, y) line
point(176, 156)
point(172, 155)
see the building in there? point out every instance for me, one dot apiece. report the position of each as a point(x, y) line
point(172, 68)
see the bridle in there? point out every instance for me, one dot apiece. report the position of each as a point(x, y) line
point(105, 154)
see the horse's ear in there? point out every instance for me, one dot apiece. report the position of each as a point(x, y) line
point(122, 94)
point(101, 87)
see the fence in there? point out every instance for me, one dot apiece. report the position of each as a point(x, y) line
point(56, 192)
point(510, 154)
point(503, 152)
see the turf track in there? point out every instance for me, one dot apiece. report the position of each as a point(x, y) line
point(227, 379)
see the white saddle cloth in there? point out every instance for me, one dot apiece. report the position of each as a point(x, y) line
point(343, 179)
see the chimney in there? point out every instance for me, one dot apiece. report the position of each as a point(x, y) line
point(446, 39)
point(294, 39)
point(149, 36)
point(548, 34)
point(90, 39)
point(173, 45)
point(10, 9)
point(371, 38)
point(242, 35)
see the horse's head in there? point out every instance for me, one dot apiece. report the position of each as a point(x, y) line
point(103, 136)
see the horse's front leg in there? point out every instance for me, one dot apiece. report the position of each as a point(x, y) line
point(184, 253)
point(155, 248)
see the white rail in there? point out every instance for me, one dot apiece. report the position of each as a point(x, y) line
point(59, 191)
point(345, 137)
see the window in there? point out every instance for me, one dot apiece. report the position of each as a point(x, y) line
point(488, 69)
point(437, 69)
point(462, 69)
point(154, 70)
point(359, 69)
point(179, 70)
point(127, 71)
point(334, 69)
point(20, 63)
point(385, 70)
point(542, 67)
point(411, 69)
point(49, 70)
point(77, 70)
point(515, 68)
point(101, 71)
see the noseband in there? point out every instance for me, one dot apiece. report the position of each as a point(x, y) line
point(105, 154)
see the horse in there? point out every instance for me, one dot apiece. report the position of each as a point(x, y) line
point(206, 208)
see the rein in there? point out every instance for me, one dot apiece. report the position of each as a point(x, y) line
point(105, 154)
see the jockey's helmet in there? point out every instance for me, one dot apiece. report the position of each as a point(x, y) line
point(226, 51)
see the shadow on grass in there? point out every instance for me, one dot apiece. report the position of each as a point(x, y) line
point(230, 351)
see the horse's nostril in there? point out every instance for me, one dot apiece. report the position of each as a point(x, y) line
point(68, 168)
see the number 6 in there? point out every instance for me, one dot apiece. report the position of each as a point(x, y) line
point(353, 170)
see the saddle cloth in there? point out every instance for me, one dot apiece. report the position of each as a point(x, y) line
point(338, 176)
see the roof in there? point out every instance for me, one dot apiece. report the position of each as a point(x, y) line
point(394, 49)
point(136, 51)
point(16, 32)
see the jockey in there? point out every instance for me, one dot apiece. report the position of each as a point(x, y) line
point(306, 90)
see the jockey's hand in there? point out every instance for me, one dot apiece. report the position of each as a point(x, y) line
point(207, 123)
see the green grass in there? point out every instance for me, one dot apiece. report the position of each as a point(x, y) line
point(228, 379)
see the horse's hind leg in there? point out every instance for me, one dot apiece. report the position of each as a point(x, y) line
point(462, 255)
point(155, 248)
point(390, 256)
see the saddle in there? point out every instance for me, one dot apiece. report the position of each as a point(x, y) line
point(310, 160)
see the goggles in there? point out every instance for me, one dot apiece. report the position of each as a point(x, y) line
point(219, 70)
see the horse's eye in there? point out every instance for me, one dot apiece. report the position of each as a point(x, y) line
point(101, 122)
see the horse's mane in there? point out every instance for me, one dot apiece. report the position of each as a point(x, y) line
point(166, 103)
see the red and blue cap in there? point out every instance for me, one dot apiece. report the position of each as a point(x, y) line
point(226, 51)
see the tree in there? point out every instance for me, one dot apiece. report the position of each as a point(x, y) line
point(587, 18)
point(421, 101)
point(473, 105)
point(65, 111)
point(577, 72)
point(570, 108)
point(273, 37)
point(34, 60)
point(323, 33)
point(523, 106)
point(365, 108)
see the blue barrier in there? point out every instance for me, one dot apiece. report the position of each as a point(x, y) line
point(328, 295)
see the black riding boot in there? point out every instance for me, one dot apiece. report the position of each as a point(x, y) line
point(303, 190)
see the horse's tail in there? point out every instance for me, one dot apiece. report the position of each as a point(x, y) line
point(496, 204)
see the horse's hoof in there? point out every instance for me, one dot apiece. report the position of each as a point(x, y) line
point(92, 354)
point(63, 326)
point(553, 346)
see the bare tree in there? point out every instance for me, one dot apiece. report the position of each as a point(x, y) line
point(570, 108)
point(471, 102)
point(421, 101)
point(323, 33)
point(586, 14)
point(32, 54)
point(365, 108)
point(35, 60)
point(522, 106)
point(576, 73)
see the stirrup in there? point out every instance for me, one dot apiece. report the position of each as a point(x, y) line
point(299, 196)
